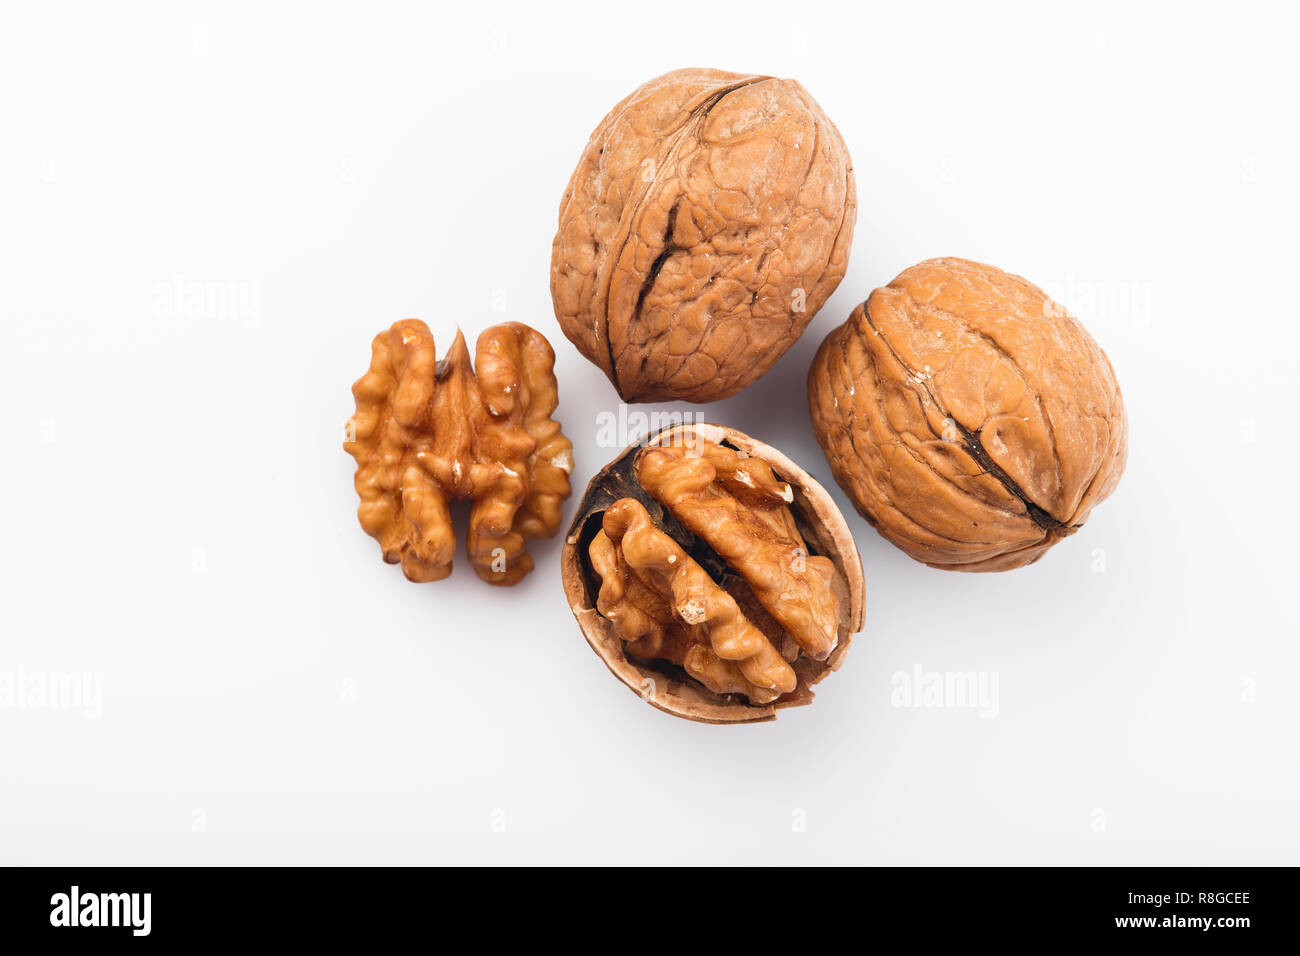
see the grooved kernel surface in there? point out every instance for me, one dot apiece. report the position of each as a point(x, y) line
point(426, 433)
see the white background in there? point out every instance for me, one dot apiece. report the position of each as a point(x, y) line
point(207, 211)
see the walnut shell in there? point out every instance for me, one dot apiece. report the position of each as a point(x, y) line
point(807, 611)
point(970, 419)
point(708, 220)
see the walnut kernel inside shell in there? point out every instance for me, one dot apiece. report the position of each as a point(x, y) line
point(747, 587)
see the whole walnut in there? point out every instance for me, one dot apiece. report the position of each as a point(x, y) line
point(708, 220)
point(971, 420)
point(712, 575)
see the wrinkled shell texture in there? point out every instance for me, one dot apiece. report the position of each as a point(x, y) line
point(708, 220)
point(426, 433)
point(712, 576)
point(970, 419)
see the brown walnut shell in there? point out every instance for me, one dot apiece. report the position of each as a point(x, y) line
point(725, 630)
point(970, 419)
point(708, 220)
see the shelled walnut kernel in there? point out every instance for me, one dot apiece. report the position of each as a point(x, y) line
point(428, 432)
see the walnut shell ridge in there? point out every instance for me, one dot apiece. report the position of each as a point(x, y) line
point(970, 419)
point(709, 218)
point(686, 692)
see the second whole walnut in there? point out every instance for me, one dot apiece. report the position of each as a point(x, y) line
point(709, 218)
point(969, 418)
